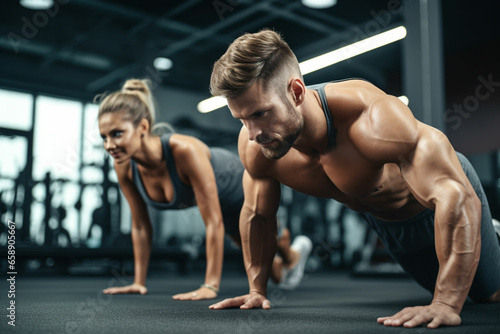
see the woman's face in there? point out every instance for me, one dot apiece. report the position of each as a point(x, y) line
point(120, 137)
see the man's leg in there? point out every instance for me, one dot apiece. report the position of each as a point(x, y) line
point(496, 226)
point(486, 284)
point(287, 257)
point(289, 263)
point(496, 296)
point(493, 299)
point(290, 269)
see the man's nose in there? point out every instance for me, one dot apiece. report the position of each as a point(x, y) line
point(253, 130)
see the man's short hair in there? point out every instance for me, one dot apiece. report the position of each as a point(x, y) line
point(262, 56)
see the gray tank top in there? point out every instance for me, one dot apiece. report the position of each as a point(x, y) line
point(320, 88)
point(228, 172)
point(331, 131)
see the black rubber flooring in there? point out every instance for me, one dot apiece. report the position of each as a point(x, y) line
point(327, 302)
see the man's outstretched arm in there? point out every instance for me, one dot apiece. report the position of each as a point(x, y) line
point(434, 175)
point(258, 238)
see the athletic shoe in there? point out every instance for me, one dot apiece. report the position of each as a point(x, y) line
point(496, 225)
point(291, 278)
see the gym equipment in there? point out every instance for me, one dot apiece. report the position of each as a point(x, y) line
point(107, 216)
point(24, 181)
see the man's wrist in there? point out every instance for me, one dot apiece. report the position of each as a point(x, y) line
point(259, 291)
point(453, 306)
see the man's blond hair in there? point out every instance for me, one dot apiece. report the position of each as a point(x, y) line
point(262, 56)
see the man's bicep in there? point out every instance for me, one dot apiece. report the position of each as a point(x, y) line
point(262, 195)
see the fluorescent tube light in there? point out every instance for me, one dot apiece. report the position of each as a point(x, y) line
point(211, 104)
point(217, 102)
point(162, 64)
point(319, 4)
point(37, 4)
point(325, 60)
point(405, 99)
point(352, 50)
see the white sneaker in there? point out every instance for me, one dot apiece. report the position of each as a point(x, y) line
point(496, 226)
point(291, 278)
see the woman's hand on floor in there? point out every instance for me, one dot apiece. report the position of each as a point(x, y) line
point(132, 288)
point(200, 294)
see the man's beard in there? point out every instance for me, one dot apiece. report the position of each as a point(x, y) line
point(283, 146)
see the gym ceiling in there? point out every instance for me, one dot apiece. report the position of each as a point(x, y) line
point(83, 47)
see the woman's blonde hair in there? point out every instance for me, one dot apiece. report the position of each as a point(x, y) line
point(135, 102)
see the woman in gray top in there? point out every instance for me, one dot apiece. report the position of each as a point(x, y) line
point(176, 172)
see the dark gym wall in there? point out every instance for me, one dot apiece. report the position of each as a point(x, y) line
point(472, 75)
point(473, 100)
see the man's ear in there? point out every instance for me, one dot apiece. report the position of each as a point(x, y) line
point(298, 89)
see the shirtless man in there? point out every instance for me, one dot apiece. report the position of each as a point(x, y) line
point(351, 142)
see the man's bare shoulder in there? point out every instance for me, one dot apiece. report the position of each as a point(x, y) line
point(350, 98)
point(251, 156)
point(378, 125)
point(385, 130)
point(355, 84)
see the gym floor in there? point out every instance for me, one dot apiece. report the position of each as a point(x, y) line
point(326, 302)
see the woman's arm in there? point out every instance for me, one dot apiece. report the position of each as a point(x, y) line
point(141, 232)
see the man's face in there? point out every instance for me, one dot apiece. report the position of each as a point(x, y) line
point(272, 123)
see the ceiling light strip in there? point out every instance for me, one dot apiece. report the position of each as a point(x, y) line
point(325, 60)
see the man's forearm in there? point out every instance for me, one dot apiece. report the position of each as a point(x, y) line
point(258, 237)
point(458, 247)
point(141, 239)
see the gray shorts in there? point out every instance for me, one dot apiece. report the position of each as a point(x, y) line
point(411, 244)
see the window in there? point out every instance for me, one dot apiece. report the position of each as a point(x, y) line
point(16, 110)
point(15, 113)
point(56, 150)
point(57, 138)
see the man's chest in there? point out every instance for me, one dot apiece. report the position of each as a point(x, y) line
point(342, 174)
